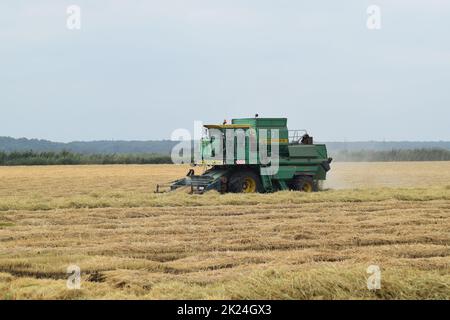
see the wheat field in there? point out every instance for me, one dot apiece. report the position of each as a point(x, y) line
point(133, 244)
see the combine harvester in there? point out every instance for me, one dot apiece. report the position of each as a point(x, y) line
point(301, 165)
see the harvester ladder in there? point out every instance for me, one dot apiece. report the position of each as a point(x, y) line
point(267, 183)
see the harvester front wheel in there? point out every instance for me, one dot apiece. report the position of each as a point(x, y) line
point(244, 182)
point(304, 183)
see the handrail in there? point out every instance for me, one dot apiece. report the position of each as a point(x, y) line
point(295, 136)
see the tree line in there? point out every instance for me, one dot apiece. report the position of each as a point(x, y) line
point(435, 154)
point(8, 144)
point(29, 158)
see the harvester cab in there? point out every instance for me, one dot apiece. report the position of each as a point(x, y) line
point(256, 155)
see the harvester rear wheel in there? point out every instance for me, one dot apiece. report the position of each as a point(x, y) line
point(244, 182)
point(304, 183)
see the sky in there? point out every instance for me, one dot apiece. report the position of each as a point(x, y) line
point(138, 70)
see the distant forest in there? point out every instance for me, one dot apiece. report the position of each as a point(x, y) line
point(9, 144)
point(69, 158)
point(42, 152)
point(28, 158)
point(434, 154)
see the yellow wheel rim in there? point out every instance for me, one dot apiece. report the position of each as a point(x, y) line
point(249, 185)
point(307, 187)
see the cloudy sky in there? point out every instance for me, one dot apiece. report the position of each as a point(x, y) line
point(140, 69)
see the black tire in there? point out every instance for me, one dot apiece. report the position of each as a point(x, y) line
point(238, 182)
point(304, 183)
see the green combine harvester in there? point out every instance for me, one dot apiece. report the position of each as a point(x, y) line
point(301, 164)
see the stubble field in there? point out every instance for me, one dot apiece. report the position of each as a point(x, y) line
point(132, 243)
